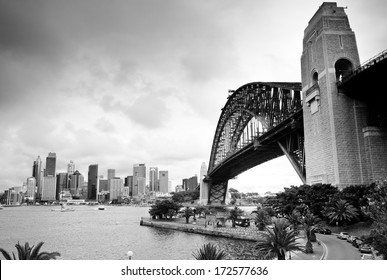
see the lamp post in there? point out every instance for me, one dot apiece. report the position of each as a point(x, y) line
point(129, 254)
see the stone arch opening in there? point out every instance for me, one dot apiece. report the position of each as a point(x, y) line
point(343, 67)
point(315, 78)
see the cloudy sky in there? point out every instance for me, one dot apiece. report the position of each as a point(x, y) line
point(121, 82)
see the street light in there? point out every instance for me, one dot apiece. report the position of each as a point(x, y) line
point(129, 254)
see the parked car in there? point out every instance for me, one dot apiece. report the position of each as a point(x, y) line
point(367, 257)
point(243, 222)
point(324, 230)
point(365, 249)
point(357, 242)
point(343, 235)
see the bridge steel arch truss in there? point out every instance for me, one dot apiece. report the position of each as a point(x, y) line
point(259, 122)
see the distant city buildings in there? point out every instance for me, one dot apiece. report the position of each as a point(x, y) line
point(163, 181)
point(190, 184)
point(153, 179)
point(48, 185)
point(92, 181)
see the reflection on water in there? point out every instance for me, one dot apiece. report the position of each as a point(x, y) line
point(89, 234)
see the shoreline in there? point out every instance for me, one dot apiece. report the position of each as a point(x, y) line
point(235, 233)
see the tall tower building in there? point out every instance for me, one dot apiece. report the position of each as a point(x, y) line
point(50, 164)
point(48, 188)
point(111, 173)
point(37, 173)
point(163, 181)
point(139, 178)
point(61, 183)
point(92, 182)
point(333, 122)
point(71, 167)
point(115, 188)
point(31, 186)
point(76, 184)
point(153, 179)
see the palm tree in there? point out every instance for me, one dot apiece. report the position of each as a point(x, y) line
point(262, 219)
point(30, 253)
point(209, 252)
point(278, 241)
point(234, 214)
point(310, 224)
point(341, 212)
point(187, 213)
point(294, 219)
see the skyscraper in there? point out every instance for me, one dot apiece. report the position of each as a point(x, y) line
point(153, 179)
point(61, 183)
point(76, 184)
point(37, 173)
point(71, 167)
point(139, 178)
point(92, 181)
point(115, 188)
point(111, 173)
point(50, 164)
point(163, 181)
point(48, 188)
point(31, 185)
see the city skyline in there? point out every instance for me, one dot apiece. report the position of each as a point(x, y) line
point(121, 83)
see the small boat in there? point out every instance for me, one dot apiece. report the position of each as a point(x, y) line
point(1, 207)
point(102, 207)
point(64, 208)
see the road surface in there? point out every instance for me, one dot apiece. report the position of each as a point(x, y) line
point(338, 249)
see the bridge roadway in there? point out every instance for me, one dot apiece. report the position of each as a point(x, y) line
point(338, 249)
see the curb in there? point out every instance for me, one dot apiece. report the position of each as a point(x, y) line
point(325, 250)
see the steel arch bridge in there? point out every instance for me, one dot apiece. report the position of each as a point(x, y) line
point(260, 121)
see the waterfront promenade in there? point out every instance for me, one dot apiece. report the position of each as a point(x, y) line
point(241, 233)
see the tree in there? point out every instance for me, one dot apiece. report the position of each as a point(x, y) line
point(209, 252)
point(164, 208)
point(262, 219)
point(277, 241)
point(187, 213)
point(378, 210)
point(294, 219)
point(234, 214)
point(310, 224)
point(30, 253)
point(341, 212)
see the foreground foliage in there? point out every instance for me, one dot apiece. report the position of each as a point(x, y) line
point(277, 241)
point(209, 252)
point(29, 253)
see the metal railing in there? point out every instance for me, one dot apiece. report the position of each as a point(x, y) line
point(370, 62)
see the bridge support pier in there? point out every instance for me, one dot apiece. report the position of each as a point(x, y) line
point(204, 191)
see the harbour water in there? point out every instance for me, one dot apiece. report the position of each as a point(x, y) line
point(91, 234)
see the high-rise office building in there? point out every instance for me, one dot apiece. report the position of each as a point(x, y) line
point(190, 184)
point(31, 186)
point(139, 179)
point(37, 173)
point(153, 179)
point(129, 183)
point(163, 181)
point(92, 181)
point(115, 188)
point(50, 164)
point(111, 173)
point(61, 183)
point(76, 184)
point(71, 167)
point(48, 188)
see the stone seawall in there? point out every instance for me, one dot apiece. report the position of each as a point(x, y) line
point(236, 233)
